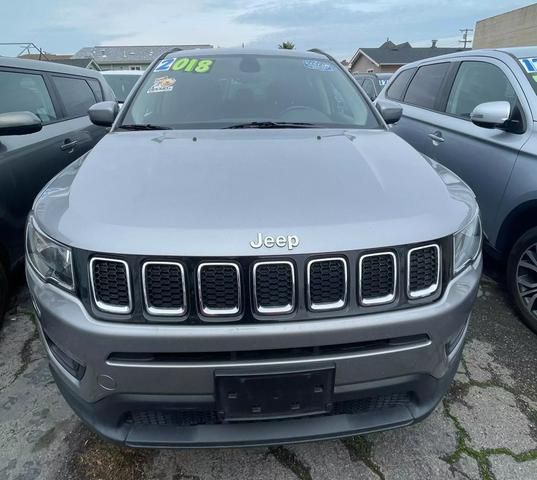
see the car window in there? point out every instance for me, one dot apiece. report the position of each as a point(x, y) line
point(475, 83)
point(425, 86)
point(399, 84)
point(76, 95)
point(369, 88)
point(97, 89)
point(26, 92)
point(200, 91)
point(121, 84)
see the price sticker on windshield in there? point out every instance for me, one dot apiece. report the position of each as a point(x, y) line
point(319, 65)
point(185, 64)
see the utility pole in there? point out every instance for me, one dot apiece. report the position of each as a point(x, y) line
point(465, 40)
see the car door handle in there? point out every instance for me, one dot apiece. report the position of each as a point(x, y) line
point(68, 145)
point(436, 137)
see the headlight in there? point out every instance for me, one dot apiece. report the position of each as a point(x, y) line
point(467, 244)
point(51, 260)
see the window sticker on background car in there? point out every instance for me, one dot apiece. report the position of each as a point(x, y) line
point(383, 82)
point(185, 64)
point(318, 65)
point(529, 64)
point(162, 84)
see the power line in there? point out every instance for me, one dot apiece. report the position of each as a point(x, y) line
point(465, 40)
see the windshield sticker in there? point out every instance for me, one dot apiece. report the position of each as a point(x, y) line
point(529, 64)
point(162, 84)
point(319, 65)
point(185, 64)
point(383, 82)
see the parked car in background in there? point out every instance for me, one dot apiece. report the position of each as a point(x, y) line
point(44, 126)
point(372, 83)
point(248, 246)
point(122, 81)
point(475, 113)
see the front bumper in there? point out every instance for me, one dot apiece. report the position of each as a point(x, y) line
point(172, 402)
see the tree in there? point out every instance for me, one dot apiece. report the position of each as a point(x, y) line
point(286, 45)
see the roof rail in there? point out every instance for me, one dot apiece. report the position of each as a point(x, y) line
point(321, 52)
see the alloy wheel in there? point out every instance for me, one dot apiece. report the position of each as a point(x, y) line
point(526, 278)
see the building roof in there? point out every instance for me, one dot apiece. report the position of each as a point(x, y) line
point(44, 56)
point(129, 54)
point(64, 59)
point(391, 54)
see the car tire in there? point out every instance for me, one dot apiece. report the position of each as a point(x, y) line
point(4, 292)
point(522, 277)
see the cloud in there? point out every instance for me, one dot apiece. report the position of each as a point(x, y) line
point(338, 26)
point(160, 22)
point(342, 26)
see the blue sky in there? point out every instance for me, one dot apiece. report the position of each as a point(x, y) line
point(338, 26)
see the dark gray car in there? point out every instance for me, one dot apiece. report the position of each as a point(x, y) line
point(372, 83)
point(44, 127)
point(475, 113)
point(251, 257)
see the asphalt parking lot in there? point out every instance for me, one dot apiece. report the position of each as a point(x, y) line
point(484, 429)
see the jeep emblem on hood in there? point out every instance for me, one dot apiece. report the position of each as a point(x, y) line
point(289, 241)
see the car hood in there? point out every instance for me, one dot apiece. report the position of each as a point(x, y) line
point(210, 192)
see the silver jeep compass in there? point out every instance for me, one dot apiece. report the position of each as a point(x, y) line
point(251, 257)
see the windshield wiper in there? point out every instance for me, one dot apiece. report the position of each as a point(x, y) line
point(273, 125)
point(143, 126)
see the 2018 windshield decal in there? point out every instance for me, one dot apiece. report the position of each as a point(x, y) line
point(185, 64)
point(529, 64)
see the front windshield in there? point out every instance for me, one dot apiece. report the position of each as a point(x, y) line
point(121, 84)
point(200, 91)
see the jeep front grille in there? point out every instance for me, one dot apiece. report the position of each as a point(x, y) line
point(274, 287)
point(196, 290)
point(327, 284)
point(423, 271)
point(219, 288)
point(164, 288)
point(377, 278)
point(110, 283)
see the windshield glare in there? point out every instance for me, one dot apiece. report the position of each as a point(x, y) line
point(121, 84)
point(226, 90)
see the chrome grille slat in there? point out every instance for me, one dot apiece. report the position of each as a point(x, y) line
point(107, 286)
point(164, 288)
point(219, 288)
point(423, 272)
point(278, 284)
point(335, 281)
point(377, 278)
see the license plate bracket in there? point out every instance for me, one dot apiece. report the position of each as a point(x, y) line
point(264, 396)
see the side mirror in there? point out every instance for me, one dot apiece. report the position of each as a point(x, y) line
point(390, 112)
point(103, 113)
point(19, 123)
point(491, 114)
